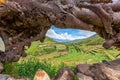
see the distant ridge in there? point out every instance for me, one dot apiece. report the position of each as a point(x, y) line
point(78, 40)
point(93, 40)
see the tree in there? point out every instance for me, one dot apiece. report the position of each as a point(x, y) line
point(24, 21)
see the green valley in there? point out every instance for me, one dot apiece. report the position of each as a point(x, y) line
point(51, 56)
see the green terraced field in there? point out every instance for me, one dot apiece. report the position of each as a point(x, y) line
point(56, 55)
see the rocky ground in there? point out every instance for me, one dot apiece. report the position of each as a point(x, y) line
point(99, 71)
point(8, 77)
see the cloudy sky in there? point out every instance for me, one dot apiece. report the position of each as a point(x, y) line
point(63, 35)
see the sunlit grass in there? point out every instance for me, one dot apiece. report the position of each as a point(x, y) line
point(56, 55)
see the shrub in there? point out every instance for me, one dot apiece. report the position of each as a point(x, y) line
point(29, 67)
point(11, 68)
point(49, 49)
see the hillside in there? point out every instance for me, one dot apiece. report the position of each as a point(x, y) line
point(80, 51)
point(51, 56)
point(93, 40)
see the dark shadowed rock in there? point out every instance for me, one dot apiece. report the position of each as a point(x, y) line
point(24, 54)
point(99, 71)
point(84, 68)
point(1, 67)
point(65, 74)
point(83, 77)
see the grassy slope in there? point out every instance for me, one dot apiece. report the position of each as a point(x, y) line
point(56, 55)
point(84, 51)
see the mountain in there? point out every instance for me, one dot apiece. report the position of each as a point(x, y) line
point(93, 40)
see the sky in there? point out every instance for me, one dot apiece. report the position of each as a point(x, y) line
point(65, 35)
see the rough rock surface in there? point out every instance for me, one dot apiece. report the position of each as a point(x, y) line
point(1, 67)
point(4, 77)
point(11, 78)
point(99, 71)
point(41, 75)
point(8, 77)
point(83, 77)
point(24, 21)
point(65, 74)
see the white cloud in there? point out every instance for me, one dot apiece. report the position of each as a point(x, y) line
point(65, 36)
point(87, 33)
